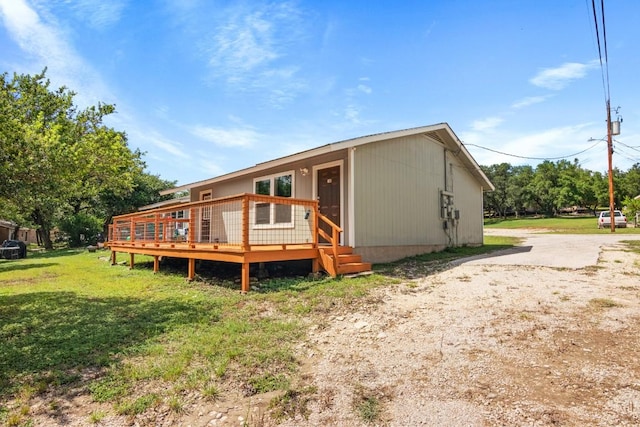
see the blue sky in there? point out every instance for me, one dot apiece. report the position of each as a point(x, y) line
point(208, 87)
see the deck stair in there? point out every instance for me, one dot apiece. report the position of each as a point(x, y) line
point(346, 263)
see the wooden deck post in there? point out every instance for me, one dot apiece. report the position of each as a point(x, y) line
point(156, 227)
point(245, 223)
point(156, 263)
point(245, 277)
point(316, 224)
point(192, 269)
point(131, 260)
point(315, 263)
point(113, 257)
point(191, 233)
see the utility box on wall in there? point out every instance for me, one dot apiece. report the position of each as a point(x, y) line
point(447, 207)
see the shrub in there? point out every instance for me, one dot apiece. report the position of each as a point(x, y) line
point(81, 228)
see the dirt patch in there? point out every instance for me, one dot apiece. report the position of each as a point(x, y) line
point(477, 344)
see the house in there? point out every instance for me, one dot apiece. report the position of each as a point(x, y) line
point(7, 232)
point(381, 197)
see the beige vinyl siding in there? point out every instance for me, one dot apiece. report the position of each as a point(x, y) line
point(221, 230)
point(397, 192)
point(468, 200)
point(224, 189)
point(244, 184)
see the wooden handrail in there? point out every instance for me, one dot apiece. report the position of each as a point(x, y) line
point(158, 225)
point(212, 202)
point(334, 239)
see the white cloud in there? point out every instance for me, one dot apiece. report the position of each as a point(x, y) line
point(210, 165)
point(352, 114)
point(226, 137)
point(174, 148)
point(530, 100)
point(253, 39)
point(46, 43)
point(34, 36)
point(98, 13)
point(486, 124)
point(559, 77)
point(365, 89)
point(248, 47)
point(245, 43)
point(524, 148)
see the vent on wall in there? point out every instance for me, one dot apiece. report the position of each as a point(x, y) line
point(434, 135)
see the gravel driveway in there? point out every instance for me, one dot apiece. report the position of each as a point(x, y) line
point(543, 335)
point(549, 250)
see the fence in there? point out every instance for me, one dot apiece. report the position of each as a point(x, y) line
point(240, 221)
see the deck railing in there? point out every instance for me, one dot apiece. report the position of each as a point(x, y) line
point(237, 222)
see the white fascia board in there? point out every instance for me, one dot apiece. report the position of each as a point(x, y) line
point(328, 148)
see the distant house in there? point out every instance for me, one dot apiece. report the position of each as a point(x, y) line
point(7, 232)
point(388, 196)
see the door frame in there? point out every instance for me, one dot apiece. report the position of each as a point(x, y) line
point(204, 195)
point(314, 188)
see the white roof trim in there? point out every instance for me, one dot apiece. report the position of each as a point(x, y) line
point(176, 201)
point(341, 145)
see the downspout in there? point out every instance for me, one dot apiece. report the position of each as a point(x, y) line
point(445, 170)
point(351, 167)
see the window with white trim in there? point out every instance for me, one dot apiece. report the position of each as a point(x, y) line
point(275, 214)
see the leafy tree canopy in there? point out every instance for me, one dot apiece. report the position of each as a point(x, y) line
point(552, 186)
point(57, 160)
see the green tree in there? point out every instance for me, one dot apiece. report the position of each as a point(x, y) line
point(519, 188)
point(545, 187)
point(628, 184)
point(144, 191)
point(590, 185)
point(498, 200)
point(81, 228)
point(53, 154)
point(569, 176)
point(631, 208)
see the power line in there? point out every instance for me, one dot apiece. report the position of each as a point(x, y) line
point(607, 103)
point(626, 155)
point(533, 158)
point(634, 148)
point(604, 65)
point(629, 156)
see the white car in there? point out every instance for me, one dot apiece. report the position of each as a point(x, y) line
point(604, 220)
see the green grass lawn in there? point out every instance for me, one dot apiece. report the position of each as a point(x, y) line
point(138, 340)
point(577, 225)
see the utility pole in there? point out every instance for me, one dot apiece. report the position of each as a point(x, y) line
point(609, 157)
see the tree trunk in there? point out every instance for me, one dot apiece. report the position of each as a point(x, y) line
point(45, 228)
point(16, 230)
point(105, 226)
point(46, 237)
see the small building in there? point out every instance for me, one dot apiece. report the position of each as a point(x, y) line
point(388, 196)
point(7, 232)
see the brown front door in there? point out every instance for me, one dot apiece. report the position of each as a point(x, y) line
point(329, 196)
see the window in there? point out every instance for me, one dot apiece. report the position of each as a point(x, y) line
point(274, 213)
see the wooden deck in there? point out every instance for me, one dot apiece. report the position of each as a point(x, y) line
point(242, 229)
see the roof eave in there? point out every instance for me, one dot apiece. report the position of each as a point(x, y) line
point(341, 145)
